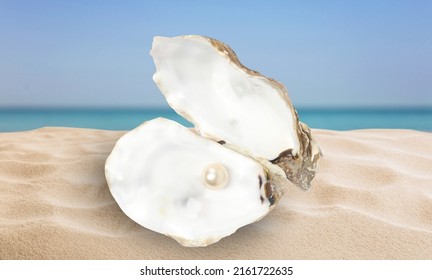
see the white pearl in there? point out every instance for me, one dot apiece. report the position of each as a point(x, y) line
point(215, 176)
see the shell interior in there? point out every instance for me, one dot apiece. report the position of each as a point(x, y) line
point(223, 101)
point(157, 174)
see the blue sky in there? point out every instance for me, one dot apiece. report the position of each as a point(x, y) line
point(327, 53)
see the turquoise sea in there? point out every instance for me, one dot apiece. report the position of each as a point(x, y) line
point(127, 119)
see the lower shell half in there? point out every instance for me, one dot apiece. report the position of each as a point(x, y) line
point(172, 181)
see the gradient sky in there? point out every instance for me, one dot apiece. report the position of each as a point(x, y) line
point(327, 53)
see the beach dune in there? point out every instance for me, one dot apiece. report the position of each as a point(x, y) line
point(371, 199)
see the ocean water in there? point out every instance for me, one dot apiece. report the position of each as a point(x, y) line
point(126, 119)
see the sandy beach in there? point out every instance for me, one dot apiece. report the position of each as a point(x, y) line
point(372, 199)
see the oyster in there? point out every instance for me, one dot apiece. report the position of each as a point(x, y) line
point(202, 184)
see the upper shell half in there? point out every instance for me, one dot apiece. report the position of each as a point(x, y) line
point(203, 81)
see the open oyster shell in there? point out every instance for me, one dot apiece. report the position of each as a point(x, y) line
point(202, 184)
point(203, 81)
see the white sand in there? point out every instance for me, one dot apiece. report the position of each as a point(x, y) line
point(372, 199)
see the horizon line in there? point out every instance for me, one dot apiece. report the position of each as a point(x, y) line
point(167, 108)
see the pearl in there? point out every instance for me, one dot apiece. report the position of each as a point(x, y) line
point(215, 176)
